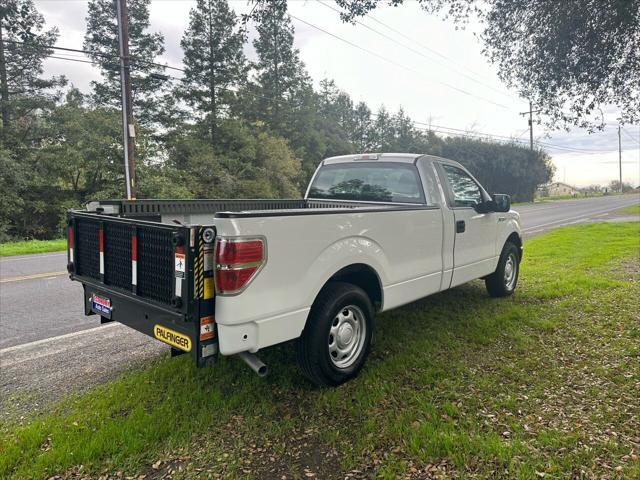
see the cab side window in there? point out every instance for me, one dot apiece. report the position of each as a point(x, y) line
point(466, 192)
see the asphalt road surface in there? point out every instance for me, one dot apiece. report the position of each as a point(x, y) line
point(48, 347)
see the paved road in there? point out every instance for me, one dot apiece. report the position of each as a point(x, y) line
point(46, 342)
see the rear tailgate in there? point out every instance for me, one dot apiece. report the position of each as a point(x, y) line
point(153, 277)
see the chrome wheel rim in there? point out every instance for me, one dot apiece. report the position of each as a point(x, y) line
point(346, 336)
point(510, 271)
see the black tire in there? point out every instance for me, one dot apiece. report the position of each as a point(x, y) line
point(498, 283)
point(314, 344)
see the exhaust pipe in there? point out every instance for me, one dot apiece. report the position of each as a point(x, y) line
point(254, 363)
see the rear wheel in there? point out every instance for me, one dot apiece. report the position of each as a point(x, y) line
point(335, 342)
point(503, 281)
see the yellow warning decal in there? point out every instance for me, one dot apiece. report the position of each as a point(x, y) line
point(209, 289)
point(172, 337)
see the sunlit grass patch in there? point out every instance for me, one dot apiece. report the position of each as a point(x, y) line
point(32, 246)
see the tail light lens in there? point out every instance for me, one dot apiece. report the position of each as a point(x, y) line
point(237, 263)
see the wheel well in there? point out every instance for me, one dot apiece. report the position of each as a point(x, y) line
point(515, 239)
point(362, 276)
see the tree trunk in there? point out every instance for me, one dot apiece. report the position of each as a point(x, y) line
point(212, 84)
point(4, 86)
point(276, 105)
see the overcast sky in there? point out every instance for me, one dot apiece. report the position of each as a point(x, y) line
point(438, 75)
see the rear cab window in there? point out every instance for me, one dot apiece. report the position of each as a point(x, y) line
point(389, 182)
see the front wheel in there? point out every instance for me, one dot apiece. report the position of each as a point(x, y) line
point(335, 342)
point(503, 281)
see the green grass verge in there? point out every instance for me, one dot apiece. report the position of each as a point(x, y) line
point(632, 210)
point(32, 246)
point(544, 383)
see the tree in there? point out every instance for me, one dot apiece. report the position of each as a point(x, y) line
point(101, 41)
point(24, 45)
point(572, 59)
point(502, 168)
point(213, 60)
point(382, 132)
point(614, 186)
point(280, 74)
point(361, 133)
point(82, 154)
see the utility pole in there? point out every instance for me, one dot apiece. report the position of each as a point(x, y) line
point(530, 125)
point(128, 130)
point(620, 157)
point(530, 113)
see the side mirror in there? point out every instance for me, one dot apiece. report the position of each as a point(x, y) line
point(501, 202)
point(486, 207)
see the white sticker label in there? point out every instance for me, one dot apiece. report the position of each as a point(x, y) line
point(208, 258)
point(180, 265)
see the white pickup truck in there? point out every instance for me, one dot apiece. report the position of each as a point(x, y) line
point(373, 232)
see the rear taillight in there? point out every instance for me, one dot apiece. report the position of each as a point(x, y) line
point(237, 262)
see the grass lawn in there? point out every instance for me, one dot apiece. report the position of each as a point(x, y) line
point(542, 384)
point(32, 246)
point(632, 210)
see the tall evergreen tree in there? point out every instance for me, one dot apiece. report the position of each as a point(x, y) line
point(24, 45)
point(361, 133)
point(101, 41)
point(383, 133)
point(281, 76)
point(213, 60)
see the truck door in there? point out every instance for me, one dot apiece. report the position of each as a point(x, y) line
point(475, 233)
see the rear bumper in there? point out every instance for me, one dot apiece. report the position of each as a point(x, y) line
point(165, 325)
point(253, 336)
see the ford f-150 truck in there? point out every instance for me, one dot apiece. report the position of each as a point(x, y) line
point(372, 233)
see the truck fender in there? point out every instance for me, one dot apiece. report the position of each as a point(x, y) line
point(346, 253)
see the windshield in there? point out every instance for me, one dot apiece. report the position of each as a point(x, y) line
point(370, 181)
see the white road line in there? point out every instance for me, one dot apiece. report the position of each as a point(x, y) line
point(33, 276)
point(16, 348)
point(578, 218)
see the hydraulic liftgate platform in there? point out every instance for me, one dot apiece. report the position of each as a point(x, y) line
point(156, 278)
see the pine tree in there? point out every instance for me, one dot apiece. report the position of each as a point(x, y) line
point(406, 135)
point(101, 41)
point(24, 45)
point(361, 133)
point(213, 60)
point(382, 133)
point(280, 73)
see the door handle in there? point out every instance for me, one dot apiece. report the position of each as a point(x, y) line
point(460, 226)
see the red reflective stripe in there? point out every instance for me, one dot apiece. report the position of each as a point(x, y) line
point(101, 239)
point(70, 237)
point(134, 248)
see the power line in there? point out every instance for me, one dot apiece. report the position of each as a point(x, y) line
point(635, 140)
point(418, 52)
point(422, 45)
point(502, 138)
point(429, 126)
point(393, 62)
point(70, 59)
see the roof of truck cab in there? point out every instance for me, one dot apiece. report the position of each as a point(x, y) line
point(386, 157)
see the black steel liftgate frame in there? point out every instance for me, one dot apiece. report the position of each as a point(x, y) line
point(153, 277)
